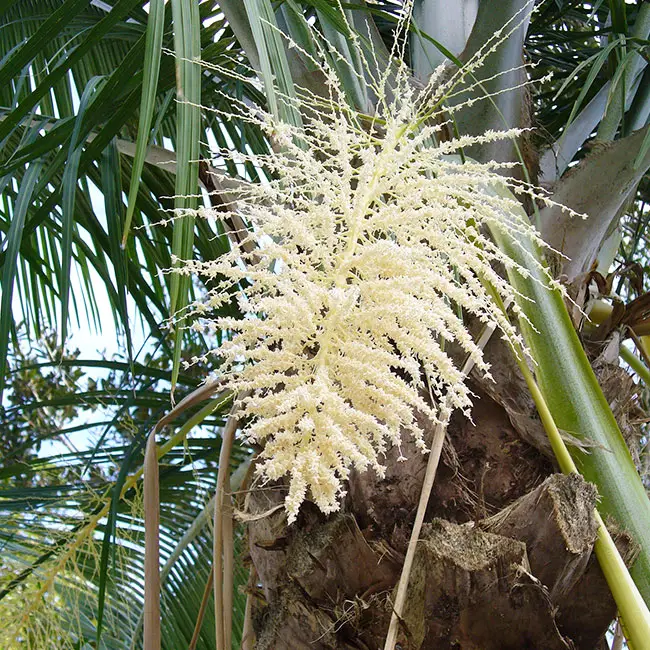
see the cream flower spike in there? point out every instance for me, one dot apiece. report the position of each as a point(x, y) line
point(371, 239)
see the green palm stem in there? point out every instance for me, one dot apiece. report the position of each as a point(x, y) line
point(568, 397)
point(575, 399)
point(630, 603)
point(636, 364)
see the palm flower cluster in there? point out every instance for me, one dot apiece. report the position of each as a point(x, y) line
point(370, 245)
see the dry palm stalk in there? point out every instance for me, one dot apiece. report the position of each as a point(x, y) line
point(151, 547)
point(429, 478)
point(202, 608)
point(223, 543)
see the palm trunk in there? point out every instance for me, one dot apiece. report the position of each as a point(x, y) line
point(505, 560)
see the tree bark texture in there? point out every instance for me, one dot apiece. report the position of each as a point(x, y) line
point(505, 560)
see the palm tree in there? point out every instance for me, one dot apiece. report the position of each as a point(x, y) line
point(102, 126)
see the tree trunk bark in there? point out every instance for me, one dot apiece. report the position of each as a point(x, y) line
point(505, 561)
